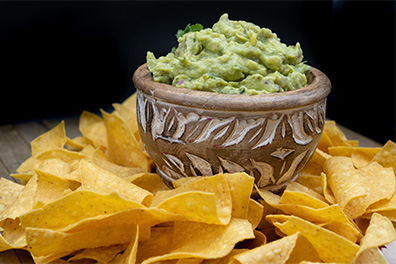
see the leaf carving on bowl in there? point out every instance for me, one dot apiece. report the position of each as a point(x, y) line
point(270, 131)
point(211, 126)
point(166, 123)
point(290, 172)
point(230, 166)
point(175, 162)
point(241, 128)
point(266, 172)
point(282, 153)
point(204, 167)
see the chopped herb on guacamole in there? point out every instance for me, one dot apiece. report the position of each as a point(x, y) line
point(232, 57)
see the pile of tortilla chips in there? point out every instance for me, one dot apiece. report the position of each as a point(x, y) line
point(94, 199)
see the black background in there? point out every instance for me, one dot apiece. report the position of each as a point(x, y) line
point(59, 58)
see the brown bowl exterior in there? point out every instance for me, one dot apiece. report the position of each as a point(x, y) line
point(193, 133)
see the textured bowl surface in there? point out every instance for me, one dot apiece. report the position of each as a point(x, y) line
point(192, 133)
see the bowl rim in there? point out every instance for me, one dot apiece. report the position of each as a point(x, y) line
point(318, 89)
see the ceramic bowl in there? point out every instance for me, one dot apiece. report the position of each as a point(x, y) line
point(192, 133)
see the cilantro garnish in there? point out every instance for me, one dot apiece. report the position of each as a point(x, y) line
point(189, 28)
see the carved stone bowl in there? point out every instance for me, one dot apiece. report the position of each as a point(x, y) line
point(191, 133)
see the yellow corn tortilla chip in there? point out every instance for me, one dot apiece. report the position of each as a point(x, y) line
point(93, 128)
point(74, 207)
point(330, 246)
point(241, 186)
point(99, 180)
point(49, 187)
point(4, 245)
point(362, 156)
point(324, 142)
point(379, 232)
point(346, 185)
point(130, 118)
point(123, 146)
point(258, 240)
point(42, 242)
point(336, 136)
point(348, 230)
point(149, 181)
point(104, 162)
point(55, 167)
point(327, 192)
point(345, 151)
point(158, 244)
point(14, 234)
point(130, 253)
point(99, 254)
point(75, 144)
point(255, 213)
point(315, 164)
point(353, 143)
point(208, 190)
point(300, 198)
point(290, 249)
point(61, 154)
point(331, 216)
point(9, 193)
point(383, 205)
point(313, 182)
point(196, 240)
point(144, 217)
point(54, 138)
point(23, 203)
point(387, 155)
point(378, 183)
point(195, 206)
point(297, 187)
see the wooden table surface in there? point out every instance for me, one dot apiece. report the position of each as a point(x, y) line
point(15, 148)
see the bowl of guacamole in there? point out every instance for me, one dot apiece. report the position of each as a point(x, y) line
point(231, 98)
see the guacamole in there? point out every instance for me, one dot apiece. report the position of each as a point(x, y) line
point(232, 57)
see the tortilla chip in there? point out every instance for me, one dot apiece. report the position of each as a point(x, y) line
point(255, 213)
point(336, 136)
point(387, 155)
point(315, 164)
point(324, 142)
point(379, 232)
point(106, 163)
point(241, 186)
point(49, 187)
point(290, 249)
point(313, 182)
point(55, 138)
point(99, 180)
point(42, 242)
point(23, 203)
point(74, 207)
point(130, 253)
point(123, 146)
point(206, 199)
point(93, 128)
point(346, 185)
point(99, 254)
point(196, 240)
point(362, 156)
point(9, 193)
point(330, 246)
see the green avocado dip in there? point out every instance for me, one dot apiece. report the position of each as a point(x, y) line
point(232, 57)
